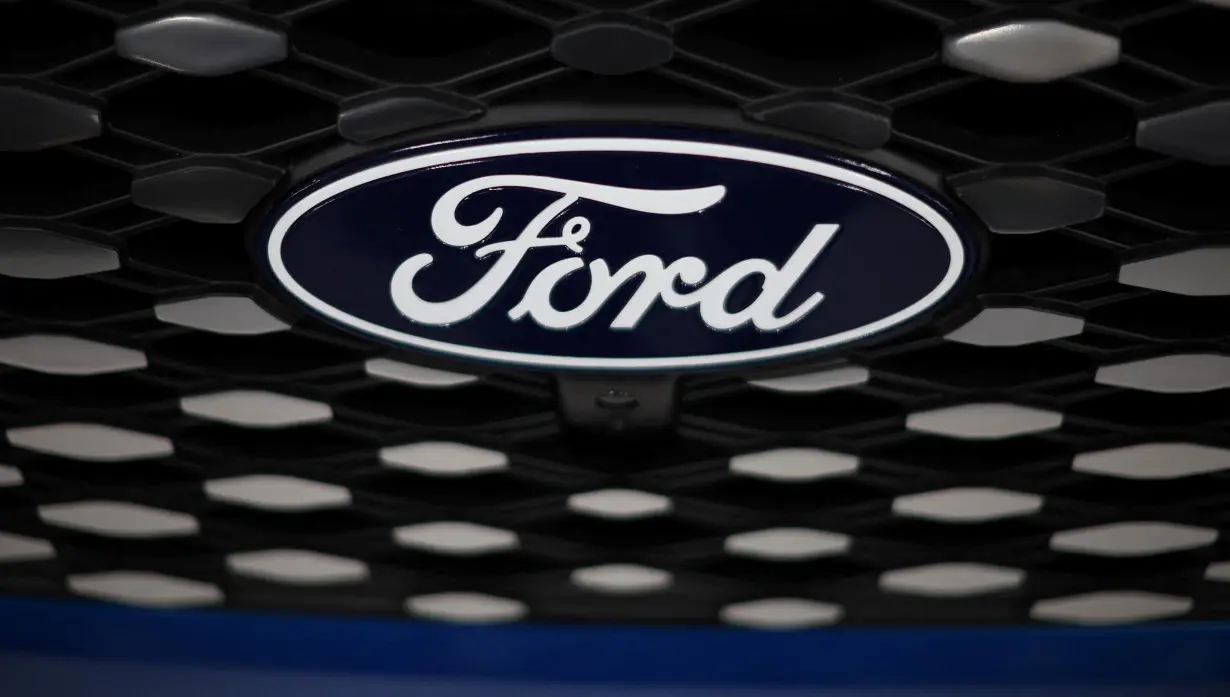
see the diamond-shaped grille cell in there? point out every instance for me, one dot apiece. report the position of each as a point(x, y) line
point(118, 519)
point(951, 579)
point(846, 376)
point(1111, 607)
point(1200, 272)
point(1154, 461)
point(781, 613)
point(28, 253)
point(19, 548)
point(793, 464)
point(35, 120)
point(986, 421)
point(256, 409)
point(417, 376)
point(1195, 133)
point(224, 314)
point(622, 579)
point(1180, 373)
point(619, 504)
point(787, 544)
point(1133, 539)
point(204, 192)
point(144, 588)
point(68, 355)
point(609, 47)
point(1016, 326)
point(1021, 203)
point(778, 37)
point(967, 505)
point(10, 476)
point(1031, 50)
point(456, 538)
point(466, 608)
point(297, 567)
point(420, 42)
point(443, 459)
point(93, 442)
point(277, 493)
point(200, 43)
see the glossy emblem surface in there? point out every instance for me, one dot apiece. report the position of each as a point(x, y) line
point(617, 248)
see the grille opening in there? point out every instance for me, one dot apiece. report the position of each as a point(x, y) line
point(145, 281)
point(268, 354)
point(963, 539)
point(279, 6)
point(1113, 161)
point(525, 75)
point(226, 115)
point(621, 456)
point(421, 41)
point(294, 443)
point(1025, 263)
point(985, 367)
point(796, 497)
point(1123, 9)
point(207, 252)
point(638, 88)
point(123, 6)
point(103, 553)
point(787, 413)
point(1115, 491)
point(1185, 195)
point(143, 473)
point(1090, 294)
point(1167, 316)
point(966, 457)
point(619, 4)
point(463, 407)
point(83, 392)
point(1094, 340)
point(1007, 122)
point(901, 87)
point(1137, 83)
point(1119, 232)
point(1191, 43)
point(1118, 572)
point(321, 525)
point(924, 155)
point(486, 489)
point(481, 567)
point(830, 568)
point(117, 218)
point(102, 74)
point(37, 36)
point(792, 41)
point(55, 182)
point(1155, 410)
point(68, 299)
point(318, 79)
point(640, 534)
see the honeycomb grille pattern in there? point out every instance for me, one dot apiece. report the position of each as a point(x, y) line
point(175, 438)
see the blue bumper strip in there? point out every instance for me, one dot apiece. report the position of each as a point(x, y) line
point(82, 633)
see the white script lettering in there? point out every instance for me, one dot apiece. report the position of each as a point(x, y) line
point(660, 281)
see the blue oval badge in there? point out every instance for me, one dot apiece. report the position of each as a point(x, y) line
point(616, 250)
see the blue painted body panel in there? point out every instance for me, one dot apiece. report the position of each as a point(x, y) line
point(115, 650)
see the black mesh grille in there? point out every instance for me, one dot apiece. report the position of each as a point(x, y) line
point(881, 59)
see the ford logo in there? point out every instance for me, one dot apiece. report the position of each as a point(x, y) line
point(617, 248)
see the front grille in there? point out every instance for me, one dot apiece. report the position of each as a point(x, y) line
point(1063, 458)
